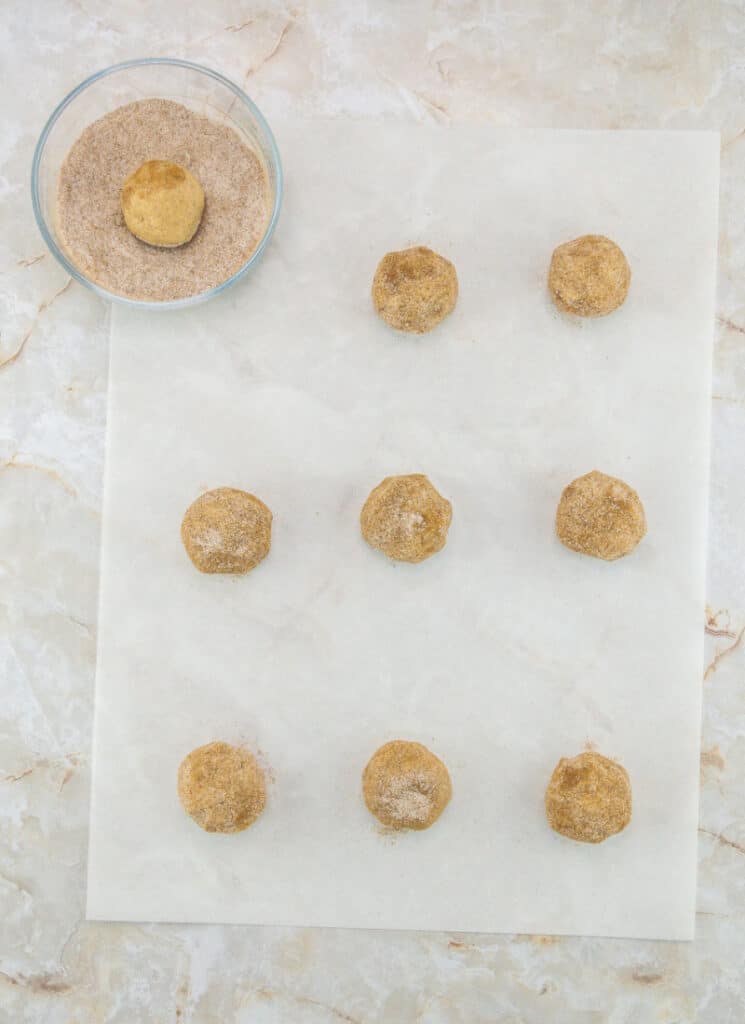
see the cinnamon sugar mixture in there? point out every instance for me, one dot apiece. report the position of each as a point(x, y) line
point(90, 221)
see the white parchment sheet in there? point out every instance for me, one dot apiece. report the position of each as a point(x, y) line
point(502, 653)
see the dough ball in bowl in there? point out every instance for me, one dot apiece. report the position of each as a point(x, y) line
point(227, 531)
point(414, 289)
point(589, 276)
point(221, 787)
point(162, 203)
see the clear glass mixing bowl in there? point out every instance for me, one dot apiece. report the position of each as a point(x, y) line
point(196, 87)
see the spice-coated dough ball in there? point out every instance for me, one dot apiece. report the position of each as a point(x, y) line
point(414, 289)
point(227, 530)
point(221, 787)
point(406, 518)
point(589, 276)
point(162, 203)
point(405, 786)
point(588, 798)
point(601, 516)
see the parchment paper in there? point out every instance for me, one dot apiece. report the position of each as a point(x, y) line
point(503, 653)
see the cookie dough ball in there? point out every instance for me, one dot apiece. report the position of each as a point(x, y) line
point(406, 786)
point(589, 276)
point(221, 787)
point(406, 518)
point(227, 530)
point(413, 290)
point(588, 798)
point(162, 203)
point(601, 516)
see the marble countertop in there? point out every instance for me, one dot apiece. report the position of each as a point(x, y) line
point(617, 65)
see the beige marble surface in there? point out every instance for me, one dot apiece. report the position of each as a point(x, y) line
point(605, 64)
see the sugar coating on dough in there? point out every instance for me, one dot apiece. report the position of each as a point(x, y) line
point(588, 798)
point(414, 289)
point(227, 531)
point(601, 516)
point(162, 203)
point(221, 787)
point(405, 786)
point(406, 518)
point(589, 276)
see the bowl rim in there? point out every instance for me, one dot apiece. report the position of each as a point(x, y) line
point(70, 267)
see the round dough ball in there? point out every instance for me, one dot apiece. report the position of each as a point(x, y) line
point(588, 798)
point(221, 787)
point(406, 518)
point(601, 516)
point(589, 276)
point(227, 530)
point(162, 203)
point(406, 786)
point(413, 290)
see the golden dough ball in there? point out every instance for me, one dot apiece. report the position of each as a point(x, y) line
point(221, 787)
point(406, 786)
point(162, 203)
point(406, 518)
point(227, 530)
point(588, 798)
point(601, 516)
point(589, 276)
point(413, 290)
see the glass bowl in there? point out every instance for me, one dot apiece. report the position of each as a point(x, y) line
point(196, 87)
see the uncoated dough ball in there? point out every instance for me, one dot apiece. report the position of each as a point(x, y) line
point(227, 530)
point(162, 203)
point(221, 787)
point(413, 290)
point(406, 518)
point(589, 276)
point(588, 798)
point(406, 786)
point(601, 516)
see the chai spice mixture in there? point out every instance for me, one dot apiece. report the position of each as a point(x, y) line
point(89, 216)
